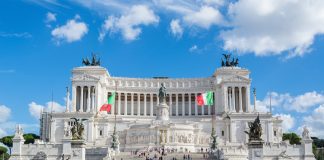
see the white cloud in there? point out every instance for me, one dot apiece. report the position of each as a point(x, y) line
point(129, 23)
point(176, 28)
point(50, 17)
point(35, 109)
point(15, 35)
point(299, 103)
point(4, 113)
point(193, 48)
point(72, 31)
point(7, 127)
point(288, 122)
point(315, 122)
point(271, 27)
point(205, 17)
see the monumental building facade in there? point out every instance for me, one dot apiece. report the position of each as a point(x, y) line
point(137, 117)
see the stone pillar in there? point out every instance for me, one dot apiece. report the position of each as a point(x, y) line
point(92, 99)
point(196, 106)
point(225, 97)
point(233, 131)
point(177, 105)
point(240, 99)
point(183, 105)
point(17, 143)
point(151, 105)
point(88, 100)
point(119, 103)
point(74, 94)
point(125, 106)
point(230, 99)
point(189, 104)
point(138, 104)
point(170, 104)
point(81, 99)
point(132, 103)
point(248, 109)
point(145, 114)
point(306, 144)
point(233, 99)
point(67, 109)
point(203, 110)
point(112, 110)
point(90, 130)
point(270, 131)
point(96, 99)
point(52, 131)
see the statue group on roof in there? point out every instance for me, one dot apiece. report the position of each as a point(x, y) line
point(94, 61)
point(228, 62)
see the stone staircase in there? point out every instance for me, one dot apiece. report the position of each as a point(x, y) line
point(170, 156)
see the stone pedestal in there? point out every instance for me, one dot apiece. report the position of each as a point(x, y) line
point(308, 150)
point(255, 148)
point(67, 148)
point(78, 150)
point(162, 112)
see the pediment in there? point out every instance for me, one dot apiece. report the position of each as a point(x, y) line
point(85, 77)
point(236, 78)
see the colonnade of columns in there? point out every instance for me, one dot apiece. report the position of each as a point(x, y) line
point(237, 98)
point(84, 98)
point(137, 104)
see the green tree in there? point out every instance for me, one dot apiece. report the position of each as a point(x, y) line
point(7, 140)
point(292, 137)
point(3, 153)
point(30, 138)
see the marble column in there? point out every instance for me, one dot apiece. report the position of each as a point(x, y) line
point(119, 103)
point(170, 104)
point(240, 99)
point(52, 130)
point(74, 98)
point(177, 105)
point(248, 109)
point(233, 98)
point(151, 105)
point(138, 104)
point(88, 100)
point(113, 105)
point(125, 105)
point(92, 100)
point(145, 104)
point(225, 97)
point(196, 106)
point(96, 99)
point(230, 100)
point(81, 99)
point(132, 103)
point(67, 109)
point(203, 110)
point(183, 105)
point(233, 131)
point(189, 104)
point(90, 130)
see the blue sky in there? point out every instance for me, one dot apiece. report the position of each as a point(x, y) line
point(280, 42)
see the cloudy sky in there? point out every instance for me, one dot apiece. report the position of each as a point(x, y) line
point(280, 41)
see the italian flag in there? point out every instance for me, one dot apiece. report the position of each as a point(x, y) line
point(206, 98)
point(111, 101)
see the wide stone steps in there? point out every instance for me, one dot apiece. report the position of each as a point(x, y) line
point(170, 156)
